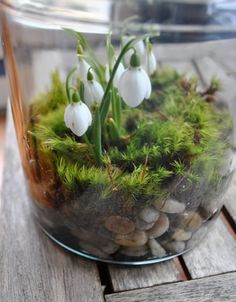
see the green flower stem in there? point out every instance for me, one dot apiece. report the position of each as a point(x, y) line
point(68, 88)
point(105, 108)
point(97, 66)
point(109, 85)
point(113, 130)
point(118, 110)
point(97, 137)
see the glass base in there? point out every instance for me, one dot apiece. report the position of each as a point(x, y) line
point(95, 258)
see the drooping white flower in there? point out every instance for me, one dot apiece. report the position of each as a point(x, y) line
point(78, 118)
point(150, 63)
point(83, 68)
point(138, 46)
point(93, 91)
point(118, 73)
point(134, 85)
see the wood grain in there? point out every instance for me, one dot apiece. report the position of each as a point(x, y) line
point(139, 277)
point(33, 269)
point(214, 255)
point(218, 289)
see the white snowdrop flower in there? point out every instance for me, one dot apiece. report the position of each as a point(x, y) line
point(83, 68)
point(78, 118)
point(138, 46)
point(134, 85)
point(118, 73)
point(93, 91)
point(150, 64)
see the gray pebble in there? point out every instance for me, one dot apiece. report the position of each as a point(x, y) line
point(197, 237)
point(149, 214)
point(175, 246)
point(160, 227)
point(156, 249)
point(89, 248)
point(170, 206)
point(143, 225)
point(138, 251)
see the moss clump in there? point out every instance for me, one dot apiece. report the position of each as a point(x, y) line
point(176, 133)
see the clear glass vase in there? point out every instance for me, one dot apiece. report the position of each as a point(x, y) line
point(124, 113)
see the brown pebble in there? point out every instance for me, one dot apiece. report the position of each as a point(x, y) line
point(192, 221)
point(136, 251)
point(137, 238)
point(160, 227)
point(181, 235)
point(119, 225)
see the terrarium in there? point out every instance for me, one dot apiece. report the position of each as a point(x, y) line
point(124, 115)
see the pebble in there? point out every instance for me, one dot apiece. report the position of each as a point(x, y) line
point(110, 247)
point(137, 251)
point(170, 206)
point(181, 235)
point(149, 214)
point(191, 221)
point(89, 248)
point(96, 240)
point(160, 227)
point(175, 246)
point(119, 225)
point(156, 249)
point(197, 236)
point(137, 238)
point(210, 207)
point(143, 225)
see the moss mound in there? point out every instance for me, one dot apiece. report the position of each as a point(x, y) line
point(178, 132)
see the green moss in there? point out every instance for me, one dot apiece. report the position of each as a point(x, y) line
point(175, 133)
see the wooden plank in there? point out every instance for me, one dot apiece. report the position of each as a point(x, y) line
point(214, 255)
point(33, 269)
point(217, 288)
point(124, 278)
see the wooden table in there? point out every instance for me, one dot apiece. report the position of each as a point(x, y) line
point(33, 268)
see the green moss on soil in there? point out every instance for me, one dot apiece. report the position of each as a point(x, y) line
point(177, 133)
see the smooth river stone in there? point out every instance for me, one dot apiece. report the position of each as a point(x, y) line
point(119, 225)
point(149, 214)
point(143, 225)
point(110, 247)
point(95, 240)
point(137, 251)
point(89, 248)
point(181, 235)
point(156, 249)
point(191, 221)
point(170, 206)
point(175, 246)
point(197, 236)
point(160, 227)
point(137, 238)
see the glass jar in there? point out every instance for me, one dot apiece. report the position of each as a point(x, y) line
point(124, 113)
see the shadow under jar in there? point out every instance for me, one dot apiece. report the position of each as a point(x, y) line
point(124, 113)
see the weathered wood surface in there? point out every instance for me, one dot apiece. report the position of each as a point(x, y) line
point(214, 255)
point(217, 288)
point(33, 269)
point(139, 277)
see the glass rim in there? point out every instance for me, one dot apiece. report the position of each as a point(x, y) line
point(29, 13)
